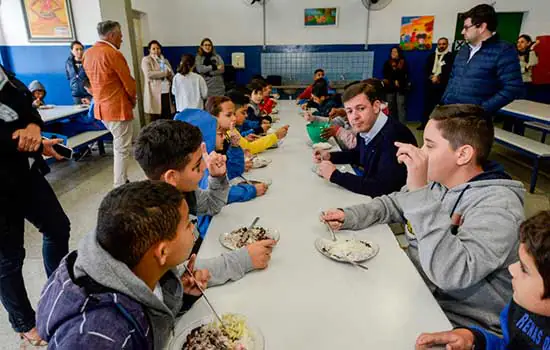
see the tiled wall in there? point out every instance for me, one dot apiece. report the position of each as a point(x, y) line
point(298, 67)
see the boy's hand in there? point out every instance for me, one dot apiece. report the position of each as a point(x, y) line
point(234, 136)
point(30, 138)
point(260, 253)
point(248, 164)
point(252, 137)
point(319, 155)
point(304, 106)
point(85, 101)
point(329, 132)
point(201, 276)
point(416, 161)
point(458, 339)
point(281, 132)
point(48, 148)
point(337, 112)
point(333, 217)
point(261, 189)
point(216, 163)
point(326, 168)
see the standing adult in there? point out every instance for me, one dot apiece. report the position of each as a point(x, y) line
point(486, 71)
point(158, 74)
point(76, 74)
point(211, 66)
point(396, 81)
point(25, 194)
point(438, 71)
point(114, 92)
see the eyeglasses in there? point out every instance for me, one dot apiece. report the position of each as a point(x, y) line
point(466, 27)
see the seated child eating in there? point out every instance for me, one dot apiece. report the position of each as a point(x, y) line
point(461, 220)
point(174, 152)
point(321, 100)
point(259, 144)
point(121, 288)
point(305, 96)
point(524, 320)
point(38, 92)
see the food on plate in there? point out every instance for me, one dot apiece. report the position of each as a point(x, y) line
point(233, 335)
point(322, 145)
point(349, 249)
point(260, 162)
point(244, 236)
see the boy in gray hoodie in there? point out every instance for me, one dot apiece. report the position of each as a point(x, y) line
point(121, 289)
point(461, 216)
point(172, 151)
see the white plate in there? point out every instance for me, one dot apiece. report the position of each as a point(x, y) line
point(315, 169)
point(324, 246)
point(322, 145)
point(260, 162)
point(226, 238)
point(178, 341)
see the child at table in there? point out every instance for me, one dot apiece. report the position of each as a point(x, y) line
point(254, 112)
point(322, 101)
point(223, 110)
point(268, 104)
point(173, 151)
point(120, 288)
point(305, 96)
point(258, 144)
point(525, 320)
point(461, 215)
point(38, 92)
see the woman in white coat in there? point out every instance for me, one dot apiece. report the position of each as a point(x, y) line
point(158, 75)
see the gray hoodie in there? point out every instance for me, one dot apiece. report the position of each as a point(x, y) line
point(461, 241)
point(231, 265)
point(95, 262)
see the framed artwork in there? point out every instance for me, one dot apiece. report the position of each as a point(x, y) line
point(321, 17)
point(417, 33)
point(48, 20)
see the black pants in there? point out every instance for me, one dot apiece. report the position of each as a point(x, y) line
point(28, 197)
point(166, 111)
point(433, 96)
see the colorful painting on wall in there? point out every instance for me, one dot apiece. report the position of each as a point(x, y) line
point(417, 32)
point(321, 17)
point(48, 20)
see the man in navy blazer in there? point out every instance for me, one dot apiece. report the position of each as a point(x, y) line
point(375, 151)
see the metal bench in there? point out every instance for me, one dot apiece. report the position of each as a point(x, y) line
point(536, 150)
point(544, 128)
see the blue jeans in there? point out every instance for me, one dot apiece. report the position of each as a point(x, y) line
point(31, 198)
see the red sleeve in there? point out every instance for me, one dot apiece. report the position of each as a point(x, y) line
point(307, 93)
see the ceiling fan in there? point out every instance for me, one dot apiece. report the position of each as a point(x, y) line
point(375, 5)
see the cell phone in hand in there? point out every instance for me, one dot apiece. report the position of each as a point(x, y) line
point(63, 151)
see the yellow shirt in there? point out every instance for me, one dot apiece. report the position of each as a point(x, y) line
point(258, 145)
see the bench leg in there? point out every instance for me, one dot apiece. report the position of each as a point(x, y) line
point(101, 147)
point(534, 175)
point(543, 138)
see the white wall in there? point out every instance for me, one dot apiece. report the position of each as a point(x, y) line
point(230, 22)
point(86, 15)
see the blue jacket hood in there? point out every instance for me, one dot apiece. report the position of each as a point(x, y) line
point(202, 120)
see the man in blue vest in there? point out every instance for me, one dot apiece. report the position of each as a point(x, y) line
point(486, 71)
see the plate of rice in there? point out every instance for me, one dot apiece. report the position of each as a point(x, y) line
point(243, 236)
point(346, 250)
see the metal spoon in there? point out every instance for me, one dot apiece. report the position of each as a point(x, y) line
point(204, 295)
point(329, 228)
point(253, 223)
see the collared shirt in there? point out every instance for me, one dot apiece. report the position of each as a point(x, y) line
point(381, 120)
point(474, 50)
point(108, 43)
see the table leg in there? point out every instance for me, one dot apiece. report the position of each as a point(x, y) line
point(101, 147)
point(534, 175)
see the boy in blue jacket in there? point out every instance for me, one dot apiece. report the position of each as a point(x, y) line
point(121, 288)
point(321, 100)
point(525, 321)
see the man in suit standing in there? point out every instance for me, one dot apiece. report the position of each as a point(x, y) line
point(438, 70)
point(114, 92)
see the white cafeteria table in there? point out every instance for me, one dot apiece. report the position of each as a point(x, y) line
point(305, 300)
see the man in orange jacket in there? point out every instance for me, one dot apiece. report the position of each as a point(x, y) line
point(114, 92)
